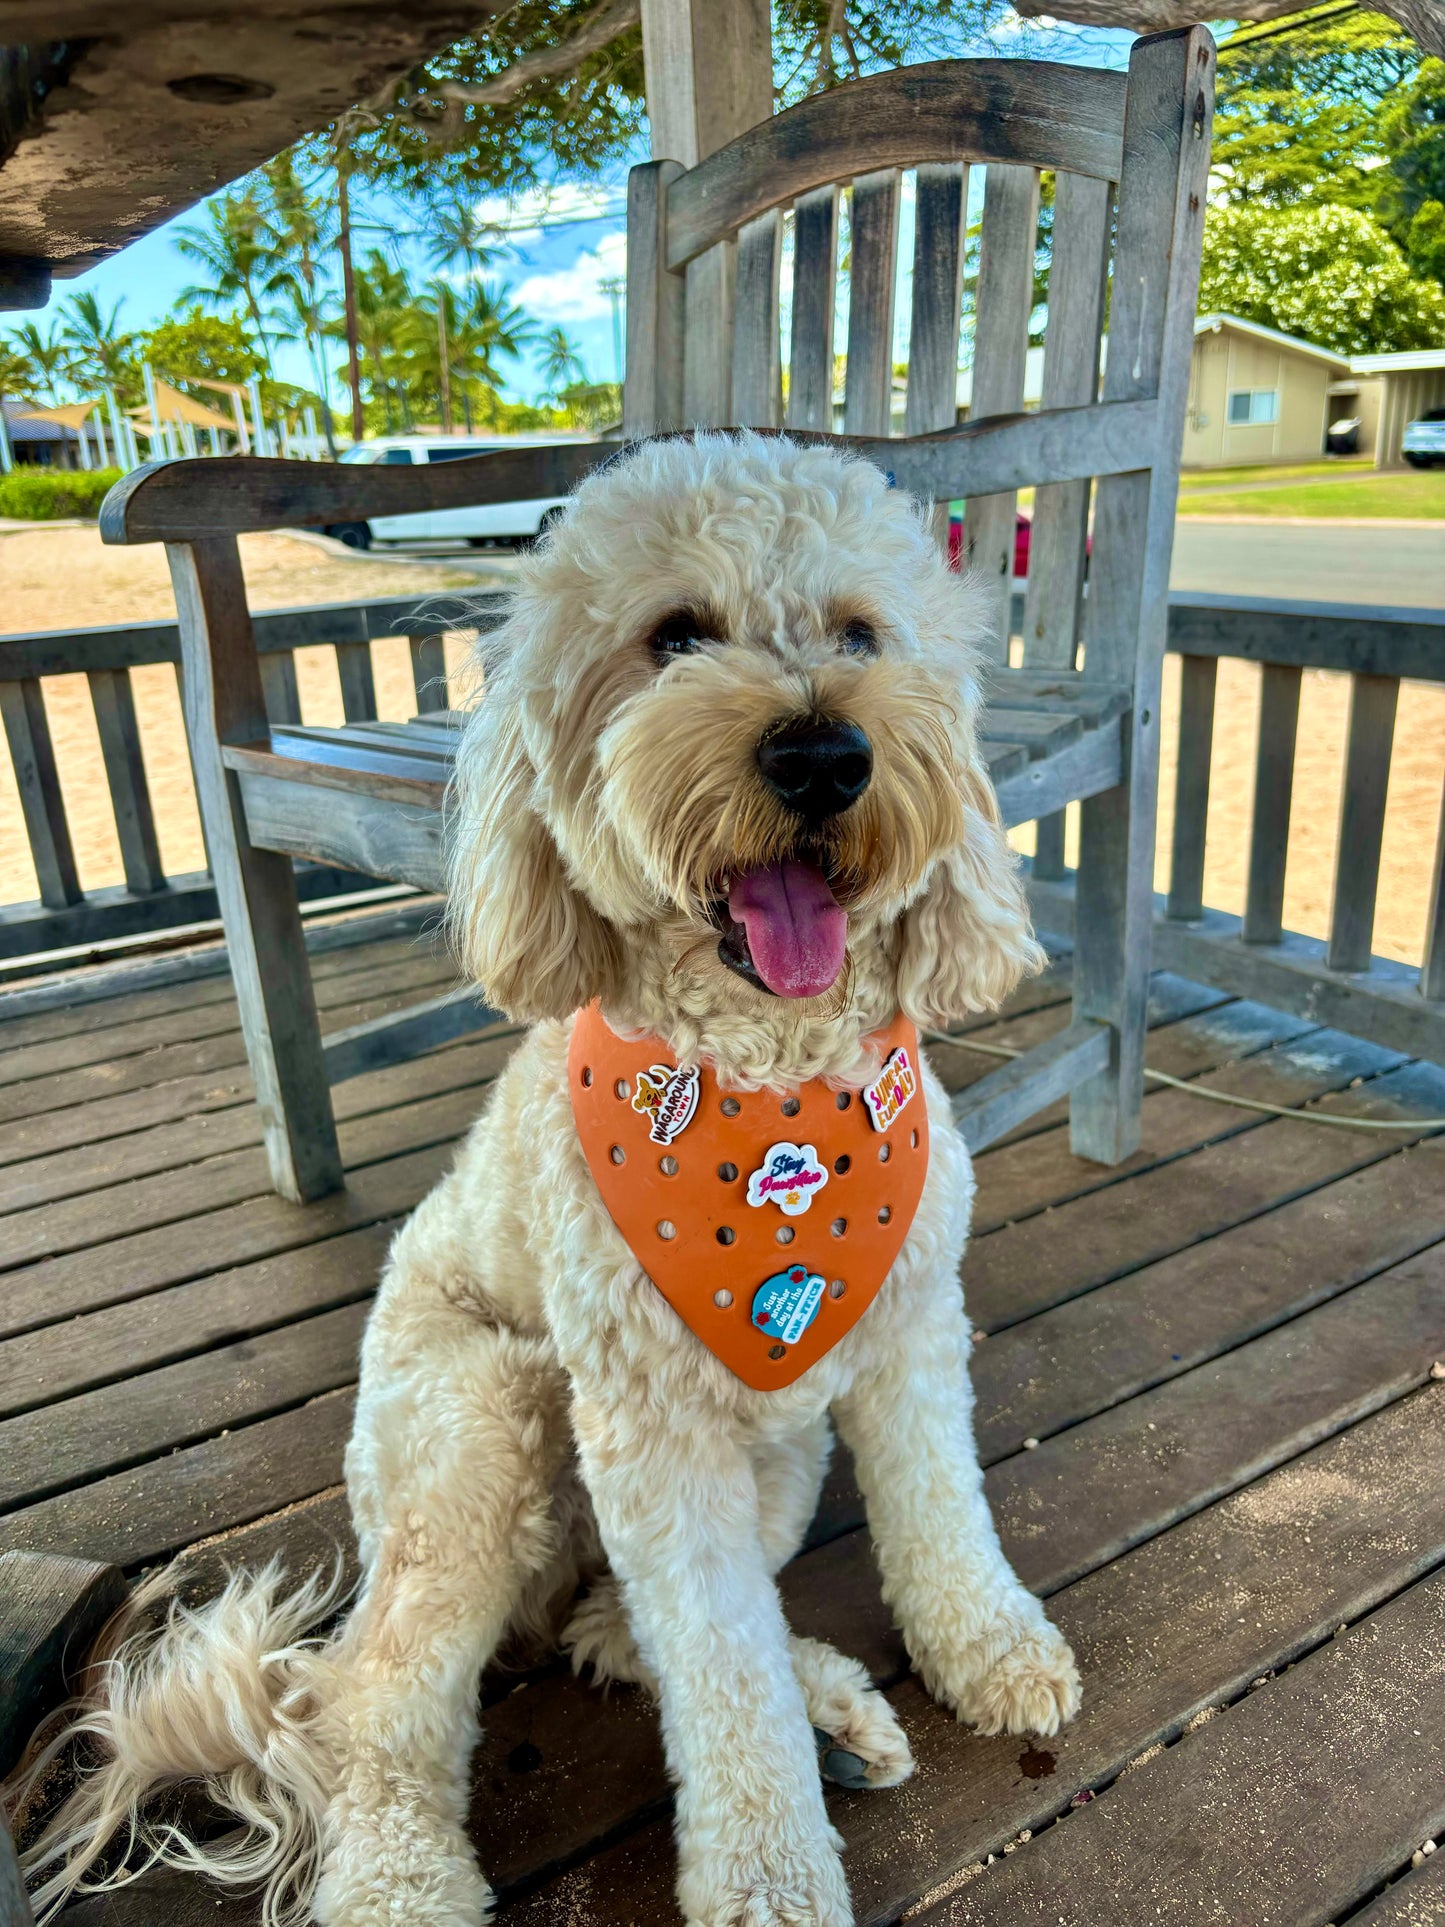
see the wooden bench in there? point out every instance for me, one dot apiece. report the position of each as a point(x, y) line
point(1128, 161)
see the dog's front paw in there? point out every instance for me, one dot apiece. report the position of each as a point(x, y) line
point(766, 1883)
point(389, 1874)
point(1018, 1676)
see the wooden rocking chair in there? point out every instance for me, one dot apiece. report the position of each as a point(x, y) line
point(1128, 162)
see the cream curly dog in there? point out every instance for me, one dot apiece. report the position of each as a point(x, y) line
point(724, 778)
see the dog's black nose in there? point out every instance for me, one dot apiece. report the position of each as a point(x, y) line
point(818, 768)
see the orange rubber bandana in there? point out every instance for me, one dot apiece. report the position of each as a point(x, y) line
point(767, 1221)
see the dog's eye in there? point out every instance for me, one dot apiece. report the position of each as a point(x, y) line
point(859, 639)
point(680, 634)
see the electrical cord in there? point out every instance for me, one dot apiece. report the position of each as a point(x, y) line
point(1418, 1125)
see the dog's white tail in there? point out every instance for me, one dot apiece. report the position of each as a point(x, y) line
point(230, 1694)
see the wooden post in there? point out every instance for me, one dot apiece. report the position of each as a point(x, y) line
point(1151, 331)
point(709, 75)
point(257, 888)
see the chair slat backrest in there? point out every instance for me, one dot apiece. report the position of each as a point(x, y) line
point(1125, 164)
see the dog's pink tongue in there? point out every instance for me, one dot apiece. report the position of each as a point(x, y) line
point(797, 930)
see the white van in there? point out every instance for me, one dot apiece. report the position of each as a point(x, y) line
point(501, 522)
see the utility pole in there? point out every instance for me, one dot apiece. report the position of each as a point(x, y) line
point(348, 288)
point(614, 287)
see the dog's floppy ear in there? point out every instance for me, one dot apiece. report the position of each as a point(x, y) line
point(522, 929)
point(967, 940)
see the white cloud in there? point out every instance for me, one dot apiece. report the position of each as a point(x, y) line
point(575, 293)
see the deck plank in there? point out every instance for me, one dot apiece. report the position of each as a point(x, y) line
point(143, 1514)
point(1245, 1819)
point(1417, 1900)
point(1180, 1624)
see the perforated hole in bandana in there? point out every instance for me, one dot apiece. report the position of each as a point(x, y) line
point(913, 1140)
point(587, 1076)
point(885, 1151)
point(722, 1299)
point(838, 1227)
point(777, 1351)
point(666, 1228)
point(884, 1214)
point(730, 1107)
point(728, 1173)
point(842, 1164)
point(785, 1234)
point(725, 1234)
point(843, 1100)
point(619, 1089)
point(791, 1107)
point(617, 1154)
point(667, 1166)
point(837, 1288)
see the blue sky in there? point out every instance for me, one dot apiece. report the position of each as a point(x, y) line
point(560, 245)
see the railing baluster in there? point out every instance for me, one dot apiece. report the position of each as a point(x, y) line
point(113, 700)
point(1362, 820)
point(429, 672)
point(1191, 786)
point(32, 755)
point(278, 685)
point(1432, 971)
point(1273, 794)
point(358, 684)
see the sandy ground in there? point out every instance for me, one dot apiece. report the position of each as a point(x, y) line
point(50, 577)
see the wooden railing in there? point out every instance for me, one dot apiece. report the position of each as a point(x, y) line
point(149, 901)
point(1337, 980)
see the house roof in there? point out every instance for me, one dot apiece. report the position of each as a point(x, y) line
point(1401, 361)
point(1212, 323)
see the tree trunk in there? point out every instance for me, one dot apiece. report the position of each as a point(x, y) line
point(348, 286)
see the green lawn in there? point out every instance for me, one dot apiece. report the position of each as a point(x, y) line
point(1264, 472)
point(1413, 494)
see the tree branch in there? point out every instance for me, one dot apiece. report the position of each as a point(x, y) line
point(601, 27)
point(1423, 20)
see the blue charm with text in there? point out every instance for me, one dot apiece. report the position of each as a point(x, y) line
point(787, 1303)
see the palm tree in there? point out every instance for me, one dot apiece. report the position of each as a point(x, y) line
point(387, 324)
point(561, 362)
point(455, 232)
point(47, 357)
point(297, 227)
point(98, 348)
point(232, 247)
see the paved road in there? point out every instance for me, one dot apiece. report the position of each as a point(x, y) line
point(1362, 563)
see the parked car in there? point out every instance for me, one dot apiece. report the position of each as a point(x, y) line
point(1423, 442)
point(1022, 529)
point(507, 522)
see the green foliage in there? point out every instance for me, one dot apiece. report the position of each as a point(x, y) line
point(54, 494)
point(1329, 274)
point(591, 404)
point(199, 347)
point(1425, 241)
point(233, 246)
point(1299, 115)
point(1413, 137)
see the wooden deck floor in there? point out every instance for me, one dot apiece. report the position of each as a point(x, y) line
point(1205, 1402)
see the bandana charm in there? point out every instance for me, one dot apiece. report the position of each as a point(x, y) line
point(894, 1087)
point(787, 1303)
point(667, 1097)
point(788, 1177)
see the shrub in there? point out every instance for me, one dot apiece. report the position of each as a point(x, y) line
point(52, 494)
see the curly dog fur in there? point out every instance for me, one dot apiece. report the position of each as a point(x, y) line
point(534, 1422)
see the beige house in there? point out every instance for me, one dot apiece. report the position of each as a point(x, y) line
point(1256, 395)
